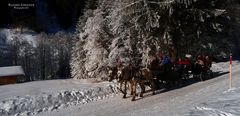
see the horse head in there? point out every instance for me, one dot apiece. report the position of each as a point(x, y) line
point(119, 72)
point(112, 73)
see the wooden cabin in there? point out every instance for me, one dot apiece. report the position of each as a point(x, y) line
point(11, 74)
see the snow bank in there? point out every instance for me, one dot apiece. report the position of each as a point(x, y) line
point(33, 104)
point(228, 104)
point(224, 66)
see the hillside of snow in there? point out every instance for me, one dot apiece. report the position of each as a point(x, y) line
point(8, 37)
point(8, 34)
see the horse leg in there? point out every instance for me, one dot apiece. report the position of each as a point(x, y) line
point(142, 88)
point(134, 86)
point(125, 89)
point(121, 83)
point(120, 88)
point(153, 86)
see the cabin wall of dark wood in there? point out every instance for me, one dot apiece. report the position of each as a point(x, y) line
point(8, 80)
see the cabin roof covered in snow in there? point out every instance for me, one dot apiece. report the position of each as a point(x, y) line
point(11, 71)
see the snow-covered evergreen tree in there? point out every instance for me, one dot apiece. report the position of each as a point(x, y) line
point(91, 50)
point(133, 31)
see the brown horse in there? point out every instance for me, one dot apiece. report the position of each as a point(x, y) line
point(142, 76)
point(125, 75)
point(138, 76)
point(134, 76)
point(113, 73)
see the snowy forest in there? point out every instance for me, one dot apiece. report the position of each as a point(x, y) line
point(46, 56)
point(82, 41)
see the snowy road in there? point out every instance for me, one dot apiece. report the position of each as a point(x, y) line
point(177, 102)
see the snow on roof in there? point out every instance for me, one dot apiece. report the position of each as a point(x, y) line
point(11, 71)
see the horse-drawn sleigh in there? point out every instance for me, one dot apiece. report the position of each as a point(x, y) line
point(159, 72)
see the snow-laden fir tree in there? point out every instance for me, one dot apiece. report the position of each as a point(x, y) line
point(133, 31)
point(91, 49)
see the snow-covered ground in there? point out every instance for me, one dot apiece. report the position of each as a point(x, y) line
point(35, 97)
point(82, 97)
point(227, 104)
